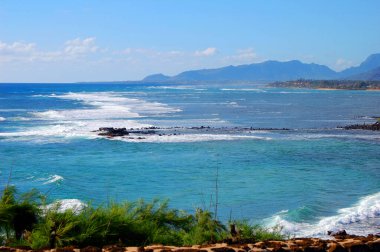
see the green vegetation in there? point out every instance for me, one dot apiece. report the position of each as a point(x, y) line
point(26, 220)
point(254, 233)
point(333, 84)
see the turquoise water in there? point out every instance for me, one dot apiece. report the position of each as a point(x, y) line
point(308, 179)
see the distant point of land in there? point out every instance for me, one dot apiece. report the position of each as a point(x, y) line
point(329, 84)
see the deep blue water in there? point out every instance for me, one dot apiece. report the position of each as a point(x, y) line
point(309, 179)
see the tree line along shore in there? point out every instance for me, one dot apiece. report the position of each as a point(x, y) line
point(328, 84)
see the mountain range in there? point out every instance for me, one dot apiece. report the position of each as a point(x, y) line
point(270, 71)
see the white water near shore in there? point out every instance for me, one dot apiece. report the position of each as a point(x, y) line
point(362, 218)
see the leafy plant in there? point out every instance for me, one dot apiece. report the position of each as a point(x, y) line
point(18, 214)
point(247, 232)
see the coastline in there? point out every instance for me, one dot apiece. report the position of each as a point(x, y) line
point(327, 89)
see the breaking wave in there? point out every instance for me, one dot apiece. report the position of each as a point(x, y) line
point(105, 105)
point(363, 218)
point(67, 204)
point(51, 179)
point(101, 109)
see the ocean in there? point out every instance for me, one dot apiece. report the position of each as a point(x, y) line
point(270, 156)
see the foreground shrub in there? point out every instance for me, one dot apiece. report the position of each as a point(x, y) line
point(205, 229)
point(26, 221)
point(247, 232)
point(18, 213)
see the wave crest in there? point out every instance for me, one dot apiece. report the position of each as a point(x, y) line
point(67, 204)
point(361, 219)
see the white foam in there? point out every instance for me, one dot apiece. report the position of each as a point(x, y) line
point(188, 138)
point(2, 119)
point(234, 104)
point(67, 204)
point(104, 105)
point(51, 179)
point(357, 219)
point(115, 101)
point(69, 129)
point(104, 109)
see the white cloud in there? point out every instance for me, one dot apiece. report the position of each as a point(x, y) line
point(206, 52)
point(342, 64)
point(28, 52)
point(246, 54)
point(241, 56)
point(79, 47)
point(16, 47)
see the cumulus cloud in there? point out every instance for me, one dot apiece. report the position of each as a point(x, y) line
point(206, 52)
point(16, 47)
point(80, 46)
point(27, 52)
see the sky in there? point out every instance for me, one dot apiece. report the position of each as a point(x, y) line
point(113, 40)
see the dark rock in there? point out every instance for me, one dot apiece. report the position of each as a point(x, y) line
point(374, 245)
point(337, 233)
point(7, 249)
point(113, 248)
point(113, 132)
point(314, 249)
point(359, 248)
point(91, 249)
point(144, 131)
point(373, 127)
point(223, 249)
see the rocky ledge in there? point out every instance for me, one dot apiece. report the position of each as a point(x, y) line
point(340, 243)
point(374, 127)
point(141, 132)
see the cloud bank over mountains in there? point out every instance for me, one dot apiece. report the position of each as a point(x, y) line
point(22, 61)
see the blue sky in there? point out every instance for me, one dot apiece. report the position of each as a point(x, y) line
point(77, 40)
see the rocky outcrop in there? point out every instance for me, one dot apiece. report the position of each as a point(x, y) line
point(113, 132)
point(339, 243)
point(140, 133)
point(374, 127)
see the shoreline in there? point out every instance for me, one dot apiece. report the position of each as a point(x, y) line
point(333, 89)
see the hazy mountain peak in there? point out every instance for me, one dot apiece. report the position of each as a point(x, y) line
point(156, 77)
point(272, 70)
point(371, 62)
